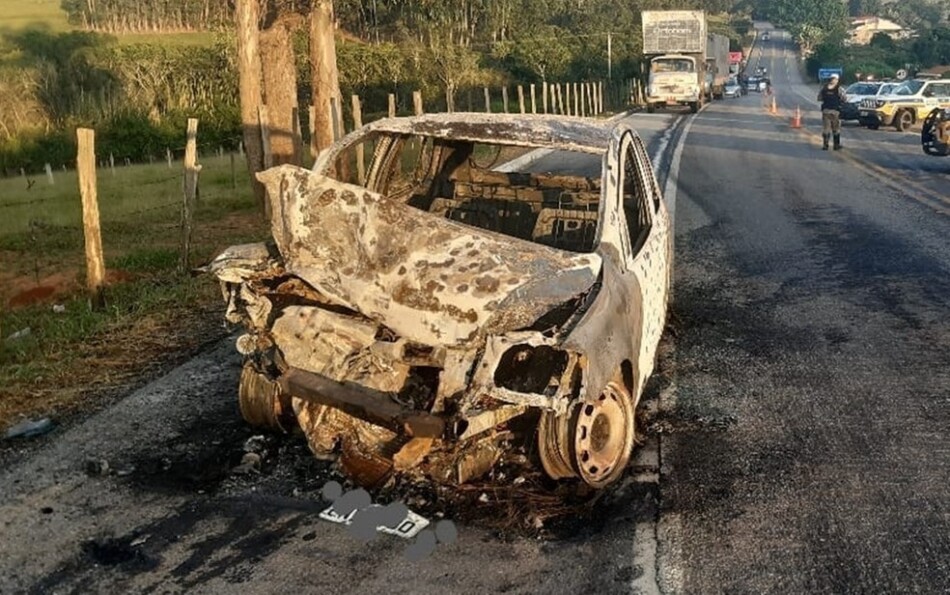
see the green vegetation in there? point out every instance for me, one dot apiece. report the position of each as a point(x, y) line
point(19, 14)
point(151, 310)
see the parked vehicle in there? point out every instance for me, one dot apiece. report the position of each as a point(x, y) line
point(675, 43)
point(909, 103)
point(717, 65)
point(448, 309)
point(855, 94)
point(733, 88)
point(935, 134)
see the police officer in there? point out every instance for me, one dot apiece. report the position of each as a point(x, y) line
point(832, 98)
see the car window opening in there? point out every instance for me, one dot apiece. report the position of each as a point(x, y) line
point(460, 181)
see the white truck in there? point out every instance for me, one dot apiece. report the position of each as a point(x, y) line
point(674, 41)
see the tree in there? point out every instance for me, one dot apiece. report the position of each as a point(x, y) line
point(810, 21)
point(453, 65)
point(544, 52)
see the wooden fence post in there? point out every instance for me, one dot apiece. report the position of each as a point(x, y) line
point(504, 98)
point(521, 98)
point(417, 103)
point(562, 92)
point(112, 163)
point(487, 101)
point(534, 103)
point(311, 126)
point(567, 98)
point(233, 172)
point(49, 174)
point(335, 121)
point(298, 137)
point(544, 97)
point(600, 97)
point(392, 105)
point(86, 170)
point(191, 189)
point(577, 101)
point(358, 123)
point(265, 137)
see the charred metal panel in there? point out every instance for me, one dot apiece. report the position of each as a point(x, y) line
point(434, 281)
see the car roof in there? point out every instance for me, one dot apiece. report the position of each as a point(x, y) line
point(565, 133)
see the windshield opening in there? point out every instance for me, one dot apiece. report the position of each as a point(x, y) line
point(673, 65)
point(909, 88)
point(479, 185)
point(863, 89)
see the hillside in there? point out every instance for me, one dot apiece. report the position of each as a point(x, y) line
point(18, 15)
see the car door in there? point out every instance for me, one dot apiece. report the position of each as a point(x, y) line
point(646, 224)
point(928, 100)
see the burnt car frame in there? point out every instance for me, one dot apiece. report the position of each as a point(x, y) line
point(443, 307)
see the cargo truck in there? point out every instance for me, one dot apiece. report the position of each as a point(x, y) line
point(674, 42)
point(717, 65)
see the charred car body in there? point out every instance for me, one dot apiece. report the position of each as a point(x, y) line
point(422, 306)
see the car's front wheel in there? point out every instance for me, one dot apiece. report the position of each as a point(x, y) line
point(593, 441)
point(903, 120)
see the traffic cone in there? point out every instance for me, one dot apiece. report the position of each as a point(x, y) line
point(774, 108)
point(797, 118)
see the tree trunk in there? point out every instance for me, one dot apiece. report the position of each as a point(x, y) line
point(280, 90)
point(247, 16)
point(324, 76)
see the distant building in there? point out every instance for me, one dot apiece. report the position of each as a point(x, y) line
point(864, 28)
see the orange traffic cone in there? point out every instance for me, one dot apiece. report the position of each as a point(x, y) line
point(797, 118)
point(774, 108)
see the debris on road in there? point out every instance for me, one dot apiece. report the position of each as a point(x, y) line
point(97, 467)
point(29, 429)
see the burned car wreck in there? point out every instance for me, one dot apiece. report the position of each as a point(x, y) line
point(431, 292)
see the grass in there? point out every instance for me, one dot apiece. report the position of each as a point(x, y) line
point(152, 313)
point(17, 15)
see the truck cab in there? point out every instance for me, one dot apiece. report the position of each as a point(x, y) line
point(675, 80)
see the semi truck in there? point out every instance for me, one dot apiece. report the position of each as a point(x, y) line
point(717, 65)
point(674, 42)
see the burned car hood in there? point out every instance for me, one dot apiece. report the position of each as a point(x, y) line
point(427, 278)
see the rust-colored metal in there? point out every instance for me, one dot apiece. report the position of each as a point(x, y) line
point(363, 403)
point(262, 403)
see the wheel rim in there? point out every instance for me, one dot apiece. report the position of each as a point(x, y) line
point(603, 436)
point(905, 120)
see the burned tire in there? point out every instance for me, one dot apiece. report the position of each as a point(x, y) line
point(593, 441)
point(903, 120)
point(261, 402)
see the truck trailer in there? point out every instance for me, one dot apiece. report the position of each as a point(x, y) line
point(717, 65)
point(674, 42)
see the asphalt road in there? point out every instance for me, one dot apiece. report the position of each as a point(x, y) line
point(802, 445)
point(813, 353)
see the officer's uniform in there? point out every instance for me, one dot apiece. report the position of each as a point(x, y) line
point(832, 98)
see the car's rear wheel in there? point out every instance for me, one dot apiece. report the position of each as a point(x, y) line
point(873, 125)
point(593, 441)
point(903, 120)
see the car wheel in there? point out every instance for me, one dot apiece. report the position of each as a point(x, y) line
point(873, 125)
point(593, 441)
point(694, 106)
point(903, 121)
point(261, 403)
